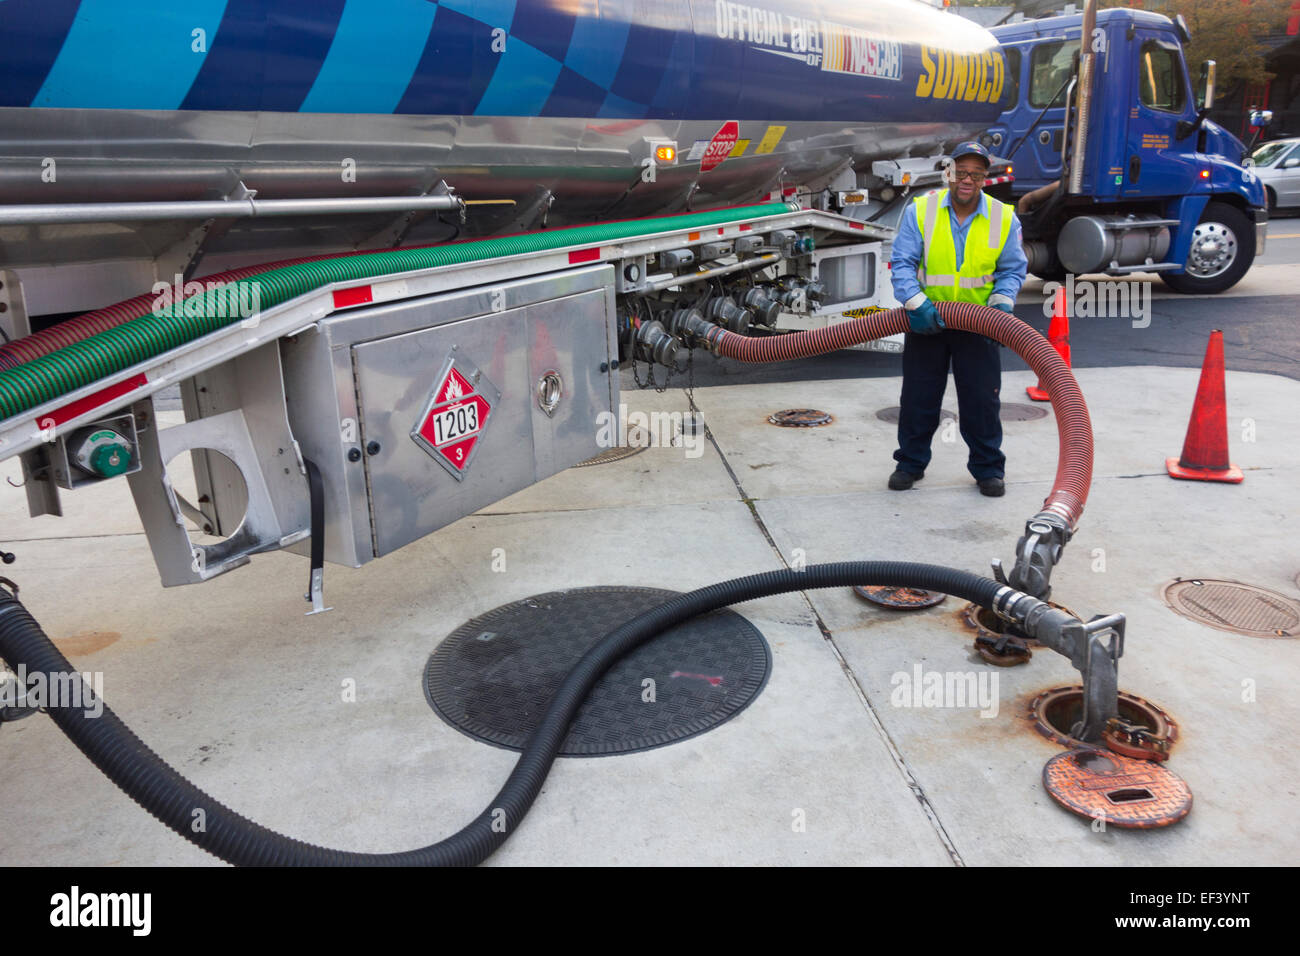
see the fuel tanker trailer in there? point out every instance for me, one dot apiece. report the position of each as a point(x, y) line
point(299, 126)
point(394, 251)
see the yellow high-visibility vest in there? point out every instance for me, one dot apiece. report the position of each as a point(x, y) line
point(939, 275)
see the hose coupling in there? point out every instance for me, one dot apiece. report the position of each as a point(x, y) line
point(1037, 552)
point(660, 347)
point(692, 323)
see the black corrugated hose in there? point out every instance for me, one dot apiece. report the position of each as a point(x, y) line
point(152, 783)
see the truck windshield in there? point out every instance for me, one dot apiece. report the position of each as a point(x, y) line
point(1011, 92)
point(1050, 65)
point(1160, 77)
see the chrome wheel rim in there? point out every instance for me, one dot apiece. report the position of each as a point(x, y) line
point(1214, 250)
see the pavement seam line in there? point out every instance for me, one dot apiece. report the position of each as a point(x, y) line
point(900, 762)
point(76, 537)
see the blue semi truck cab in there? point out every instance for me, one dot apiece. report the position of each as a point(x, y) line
point(1123, 173)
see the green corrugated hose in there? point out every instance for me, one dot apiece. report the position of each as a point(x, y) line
point(98, 356)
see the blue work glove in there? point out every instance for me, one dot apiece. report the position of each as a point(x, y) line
point(924, 319)
point(1005, 307)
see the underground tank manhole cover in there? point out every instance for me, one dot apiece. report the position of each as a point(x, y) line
point(890, 414)
point(617, 453)
point(1236, 607)
point(1016, 412)
point(1010, 412)
point(494, 675)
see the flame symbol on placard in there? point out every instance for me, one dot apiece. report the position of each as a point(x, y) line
point(454, 391)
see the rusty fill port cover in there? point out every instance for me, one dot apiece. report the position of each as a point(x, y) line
point(904, 599)
point(800, 418)
point(1117, 790)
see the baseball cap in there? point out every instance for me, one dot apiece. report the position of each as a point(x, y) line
point(972, 148)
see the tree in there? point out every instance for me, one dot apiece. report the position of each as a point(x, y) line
point(1229, 32)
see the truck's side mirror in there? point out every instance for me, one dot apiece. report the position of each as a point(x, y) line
point(1258, 120)
point(1205, 90)
point(1291, 163)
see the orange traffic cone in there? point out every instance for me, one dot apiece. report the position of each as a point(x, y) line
point(1205, 452)
point(1058, 333)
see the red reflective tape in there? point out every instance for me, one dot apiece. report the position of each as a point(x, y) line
point(721, 232)
point(857, 225)
point(356, 296)
point(746, 227)
point(93, 400)
point(584, 255)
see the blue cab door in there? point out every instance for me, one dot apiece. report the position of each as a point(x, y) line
point(1156, 162)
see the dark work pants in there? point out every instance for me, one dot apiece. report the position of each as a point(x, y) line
point(977, 370)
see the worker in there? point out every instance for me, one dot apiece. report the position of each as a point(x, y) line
point(954, 245)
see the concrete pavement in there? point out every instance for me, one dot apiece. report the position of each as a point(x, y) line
point(242, 693)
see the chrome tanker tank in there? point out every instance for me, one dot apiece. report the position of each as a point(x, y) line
point(540, 112)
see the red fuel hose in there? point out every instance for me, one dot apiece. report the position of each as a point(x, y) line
point(1074, 465)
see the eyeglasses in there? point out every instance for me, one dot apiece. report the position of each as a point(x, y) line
point(961, 175)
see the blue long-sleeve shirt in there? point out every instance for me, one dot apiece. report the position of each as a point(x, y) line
point(909, 248)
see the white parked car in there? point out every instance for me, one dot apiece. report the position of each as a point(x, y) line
point(1278, 166)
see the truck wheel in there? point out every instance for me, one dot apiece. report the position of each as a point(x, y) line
point(1223, 247)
